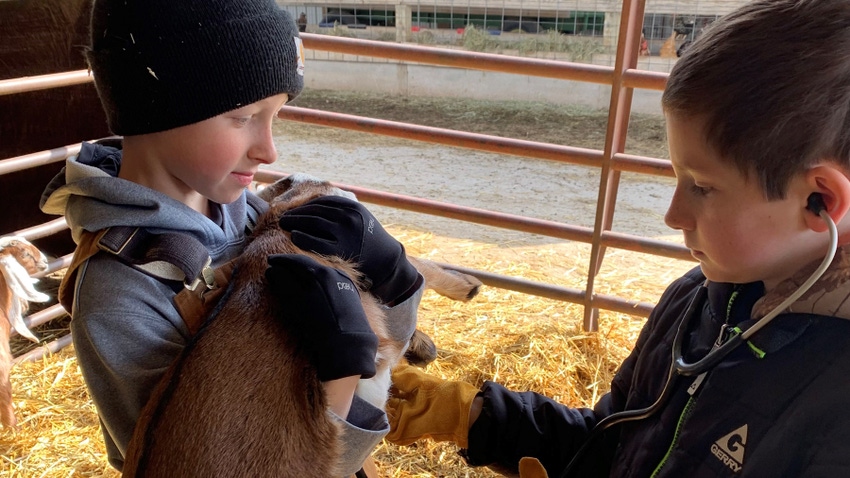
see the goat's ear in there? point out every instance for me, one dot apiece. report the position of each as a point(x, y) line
point(20, 286)
point(19, 281)
point(275, 189)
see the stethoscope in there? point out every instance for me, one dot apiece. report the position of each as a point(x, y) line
point(678, 366)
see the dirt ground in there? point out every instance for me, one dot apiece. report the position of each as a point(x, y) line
point(530, 187)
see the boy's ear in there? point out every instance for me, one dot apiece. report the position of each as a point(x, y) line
point(831, 182)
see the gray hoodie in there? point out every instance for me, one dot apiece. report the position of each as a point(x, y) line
point(125, 329)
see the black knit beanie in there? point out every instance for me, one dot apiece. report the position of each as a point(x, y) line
point(160, 64)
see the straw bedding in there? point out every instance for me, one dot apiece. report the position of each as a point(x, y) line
point(522, 341)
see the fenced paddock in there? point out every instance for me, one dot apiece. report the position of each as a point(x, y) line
point(561, 335)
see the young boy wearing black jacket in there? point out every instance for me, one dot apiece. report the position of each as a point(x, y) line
point(758, 121)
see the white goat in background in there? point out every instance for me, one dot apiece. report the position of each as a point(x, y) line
point(18, 259)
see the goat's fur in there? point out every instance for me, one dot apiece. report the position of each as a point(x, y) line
point(243, 400)
point(18, 259)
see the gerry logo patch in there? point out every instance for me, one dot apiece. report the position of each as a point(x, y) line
point(730, 449)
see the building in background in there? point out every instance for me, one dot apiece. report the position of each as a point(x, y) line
point(681, 20)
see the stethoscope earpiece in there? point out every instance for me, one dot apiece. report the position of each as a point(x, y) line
point(815, 203)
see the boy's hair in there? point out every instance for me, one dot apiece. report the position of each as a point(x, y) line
point(160, 64)
point(772, 83)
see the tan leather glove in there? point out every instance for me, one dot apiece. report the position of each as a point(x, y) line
point(530, 467)
point(423, 405)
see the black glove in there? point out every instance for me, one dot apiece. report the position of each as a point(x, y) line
point(337, 226)
point(326, 304)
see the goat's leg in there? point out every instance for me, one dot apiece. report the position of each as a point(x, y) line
point(7, 411)
point(448, 283)
point(421, 350)
point(452, 284)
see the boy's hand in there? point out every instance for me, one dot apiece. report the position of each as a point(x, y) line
point(326, 303)
point(423, 406)
point(336, 226)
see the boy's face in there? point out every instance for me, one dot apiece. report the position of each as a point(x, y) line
point(730, 227)
point(214, 159)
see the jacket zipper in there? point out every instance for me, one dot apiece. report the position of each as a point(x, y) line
point(686, 413)
point(692, 390)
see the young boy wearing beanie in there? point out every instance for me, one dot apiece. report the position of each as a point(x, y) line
point(193, 87)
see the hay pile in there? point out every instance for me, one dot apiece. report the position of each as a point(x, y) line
point(522, 341)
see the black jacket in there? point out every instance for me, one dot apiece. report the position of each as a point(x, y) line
point(777, 406)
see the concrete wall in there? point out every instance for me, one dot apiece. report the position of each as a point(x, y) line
point(352, 73)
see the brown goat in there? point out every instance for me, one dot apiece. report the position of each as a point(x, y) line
point(243, 400)
point(18, 259)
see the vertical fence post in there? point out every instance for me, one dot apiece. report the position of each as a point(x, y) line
point(403, 22)
point(619, 109)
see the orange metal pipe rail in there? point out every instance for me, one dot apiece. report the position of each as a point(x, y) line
point(619, 112)
point(41, 352)
point(460, 59)
point(43, 230)
point(642, 79)
point(42, 317)
point(19, 163)
point(44, 82)
point(481, 142)
point(642, 164)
